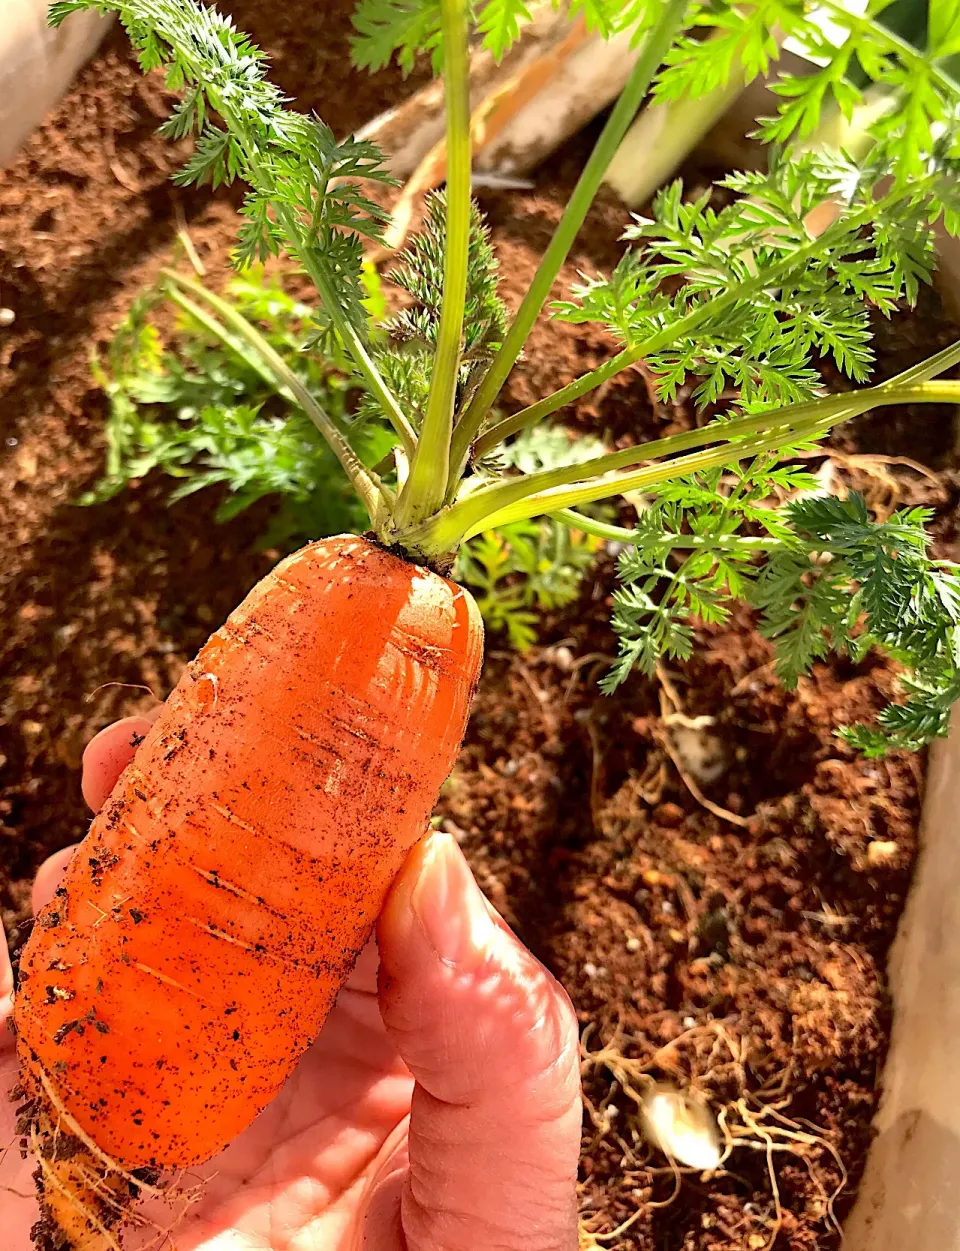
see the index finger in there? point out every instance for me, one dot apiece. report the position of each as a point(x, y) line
point(104, 759)
point(108, 754)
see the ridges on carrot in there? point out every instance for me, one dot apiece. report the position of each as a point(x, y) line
point(223, 894)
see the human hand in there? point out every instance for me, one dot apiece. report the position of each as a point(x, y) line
point(439, 1109)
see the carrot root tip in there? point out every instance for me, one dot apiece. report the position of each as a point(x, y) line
point(85, 1197)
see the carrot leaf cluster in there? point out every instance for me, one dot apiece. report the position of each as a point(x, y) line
point(852, 53)
point(200, 411)
point(841, 580)
point(304, 185)
point(403, 29)
point(197, 407)
point(688, 557)
point(406, 349)
point(762, 296)
point(823, 575)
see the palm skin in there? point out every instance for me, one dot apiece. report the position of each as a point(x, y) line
point(438, 1110)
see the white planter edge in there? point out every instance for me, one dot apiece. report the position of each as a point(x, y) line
point(37, 65)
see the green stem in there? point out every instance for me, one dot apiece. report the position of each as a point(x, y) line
point(599, 529)
point(426, 486)
point(833, 408)
point(217, 330)
point(620, 534)
point(254, 350)
point(449, 530)
point(518, 498)
point(705, 311)
point(533, 413)
point(647, 478)
point(375, 496)
point(654, 50)
point(924, 370)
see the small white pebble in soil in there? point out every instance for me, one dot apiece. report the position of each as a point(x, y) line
point(689, 1022)
point(667, 908)
point(7, 317)
point(703, 755)
point(682, 1126)
point(633, 943)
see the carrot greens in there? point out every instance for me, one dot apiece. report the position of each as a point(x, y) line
point(744, 294)
point(425, 489)
point(200, 404)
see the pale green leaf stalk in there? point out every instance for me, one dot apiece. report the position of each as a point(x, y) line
point(555, 489)
point(664, 135)
point(376, 498)
point(426, 486)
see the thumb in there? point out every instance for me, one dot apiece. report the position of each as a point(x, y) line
point(491, 1038)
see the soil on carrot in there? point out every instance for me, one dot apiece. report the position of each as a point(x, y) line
point(711, 874)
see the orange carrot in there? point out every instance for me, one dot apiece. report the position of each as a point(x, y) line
point(211, 915)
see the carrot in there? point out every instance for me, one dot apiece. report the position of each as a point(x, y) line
point(224, 892)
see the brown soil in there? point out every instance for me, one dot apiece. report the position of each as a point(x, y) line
point(745, 957)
